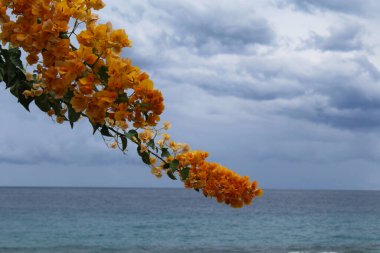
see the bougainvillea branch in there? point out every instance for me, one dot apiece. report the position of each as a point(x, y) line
point(75, 70)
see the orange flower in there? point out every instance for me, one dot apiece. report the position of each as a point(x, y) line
point(32, 59)
point(98, 105)
point(86, 54)
point(218, 181)
point(96, 4)
point(79, 102)
point(86, 38)
point(119, 39)
point(86, 84)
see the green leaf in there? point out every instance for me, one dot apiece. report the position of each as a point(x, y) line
point(11, 75)
point(42, 102)
point(14, 57)
point(95, 126)
point(124, 142)
point(2, 72)
point(73, 115)
point(122, 98)
point(25, 102)
point(185, 173)
point(166, 166)
point(146, 158)
point(171, 175)
point(165, 152)
point(35, 78)
point(103, 73)
point(11, 67)
point(5, 54)
point(151, 144)
point(14, 90)
point(104, 131)
point(17, 90)
point(133, 133)
point(68, 96)
point(63, 35)
point(57, 107)
point(174, 165)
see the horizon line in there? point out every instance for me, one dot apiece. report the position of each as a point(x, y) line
point(178, 188)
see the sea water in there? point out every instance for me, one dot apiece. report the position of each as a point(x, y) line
point(123, 220)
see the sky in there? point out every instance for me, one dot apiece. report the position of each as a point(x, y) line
point(284, 91)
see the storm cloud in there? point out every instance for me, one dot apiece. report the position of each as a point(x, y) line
point(347, 37)
point(348, 6)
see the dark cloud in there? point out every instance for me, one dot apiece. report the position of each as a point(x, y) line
point(347, 6)
point(345, 94)
point(353, 120)
point(368, 68)
point(219, 32)
point(203, 28)
point(256, 82)
point(340, 92)
point(347, 37)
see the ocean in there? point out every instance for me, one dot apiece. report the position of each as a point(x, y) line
point(133, 220)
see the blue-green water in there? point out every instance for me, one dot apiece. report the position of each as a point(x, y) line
point(179, 220)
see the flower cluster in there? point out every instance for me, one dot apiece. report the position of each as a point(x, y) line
point(218, 181)
point(94, 71)
point(78, 71)
point(213, 179)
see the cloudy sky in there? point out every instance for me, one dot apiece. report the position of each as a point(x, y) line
point(285, 91)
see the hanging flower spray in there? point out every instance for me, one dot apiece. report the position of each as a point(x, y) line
point(78, 72)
